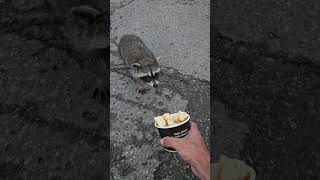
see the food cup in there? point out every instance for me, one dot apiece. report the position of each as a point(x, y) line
point(179, 130)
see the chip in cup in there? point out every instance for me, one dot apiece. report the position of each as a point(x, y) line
point(170, 119)
point(175, 118)
point(160, 121)
point(170, 122)
point(182, 116)
point(166, 116)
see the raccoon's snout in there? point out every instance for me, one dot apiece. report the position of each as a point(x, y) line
point(155, 85)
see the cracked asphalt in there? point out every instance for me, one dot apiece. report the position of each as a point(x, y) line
point(178, 33)
point(265, 81)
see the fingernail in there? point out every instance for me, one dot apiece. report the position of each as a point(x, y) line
point(161, 142)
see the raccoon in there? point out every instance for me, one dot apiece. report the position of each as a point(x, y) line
point(86, 28)
point(143, 66)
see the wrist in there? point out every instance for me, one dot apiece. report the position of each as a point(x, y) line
point(201, 166)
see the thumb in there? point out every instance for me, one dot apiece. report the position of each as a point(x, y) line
point(175, 143)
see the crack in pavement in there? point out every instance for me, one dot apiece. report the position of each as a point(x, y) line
point(114, 7)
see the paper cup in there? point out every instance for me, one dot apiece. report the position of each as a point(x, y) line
point(178, 131)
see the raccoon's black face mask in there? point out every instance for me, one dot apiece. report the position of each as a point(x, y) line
point(151, 80)
point(146, 67)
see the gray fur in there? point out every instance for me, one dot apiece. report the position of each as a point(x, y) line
point(138, 58)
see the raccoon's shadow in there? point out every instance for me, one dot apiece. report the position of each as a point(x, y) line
point(95, 77)
point(95, 87)
point(85, 31)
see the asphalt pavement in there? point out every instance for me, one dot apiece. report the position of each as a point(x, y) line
point(178, 33)
point(265, 73)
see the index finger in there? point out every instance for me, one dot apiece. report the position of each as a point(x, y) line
point(194, 128)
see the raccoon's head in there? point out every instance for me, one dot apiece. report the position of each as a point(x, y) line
point(145, 68)
point(86, 28)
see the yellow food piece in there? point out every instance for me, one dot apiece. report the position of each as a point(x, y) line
point(182, 116)
point(170, 119)
point(160, 121)
point(175, 118)
point(166, 116)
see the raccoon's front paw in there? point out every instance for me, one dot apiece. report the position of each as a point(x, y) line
point(143, 91)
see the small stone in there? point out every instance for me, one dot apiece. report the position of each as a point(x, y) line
point(92, 161)
point(57, 154)
point(6, 146)
point(41, 98)
point(101, 142)
point(268, 59)
point(68, 165)
point(13, 89)
point(42, 81)
point(27, 162)
point(30, 78)
point(168, 96)
point(55, 67)
point(68, 100)
point(273, 35)
point(310, 172)
point(242, 50)
point(293, 125)
point(3, 68)
point(15, 116)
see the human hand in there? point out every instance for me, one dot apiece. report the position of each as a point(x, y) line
point(193, 150)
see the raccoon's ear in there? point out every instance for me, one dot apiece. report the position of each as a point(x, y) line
point(85, 11)
point(137, 65)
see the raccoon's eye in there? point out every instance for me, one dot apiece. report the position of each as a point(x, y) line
point(136, 65)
